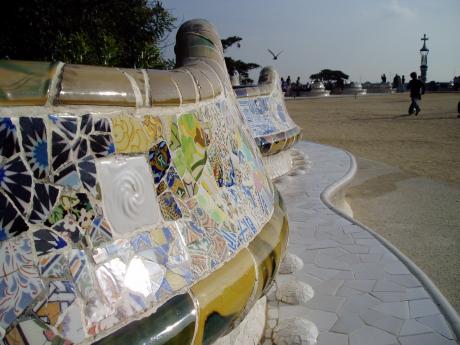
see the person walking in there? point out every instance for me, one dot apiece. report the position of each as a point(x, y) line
point(417, 89)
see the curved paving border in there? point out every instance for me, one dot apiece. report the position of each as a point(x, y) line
point(366, 291)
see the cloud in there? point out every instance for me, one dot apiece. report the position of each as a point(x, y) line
point(395, 8)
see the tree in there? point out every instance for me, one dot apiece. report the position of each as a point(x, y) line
point(123, 33)
point(329, 75)
point(242, 67)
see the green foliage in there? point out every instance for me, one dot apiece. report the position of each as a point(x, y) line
point(242, 67)
point(123, 33)
point(229, 41)
point(329, 75)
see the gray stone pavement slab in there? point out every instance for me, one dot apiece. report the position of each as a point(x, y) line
point(364, 294)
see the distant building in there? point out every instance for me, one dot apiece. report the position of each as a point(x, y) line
point(424, 59)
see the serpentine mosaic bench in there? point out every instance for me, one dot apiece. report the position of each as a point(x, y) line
point(135, 206)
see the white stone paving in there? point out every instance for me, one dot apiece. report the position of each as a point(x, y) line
point(364, 295)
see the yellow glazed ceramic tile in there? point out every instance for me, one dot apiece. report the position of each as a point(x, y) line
point(25, 82)
point(153, 127)
point(129, 135)
point(269, 246)
point(223, 296)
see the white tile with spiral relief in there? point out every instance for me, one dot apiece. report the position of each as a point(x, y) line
point(128, 195)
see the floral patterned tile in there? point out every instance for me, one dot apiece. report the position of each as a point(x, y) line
point(76, 206)
point(102, 145)
point(17, 292)
point(14, 254)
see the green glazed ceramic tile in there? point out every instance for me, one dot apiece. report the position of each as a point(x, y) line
point(25, 82)
point(172, 324)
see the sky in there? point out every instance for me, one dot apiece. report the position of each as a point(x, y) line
point(363, 38)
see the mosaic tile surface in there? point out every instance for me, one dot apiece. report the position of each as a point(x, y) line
point(111, 214)
point(104, 218)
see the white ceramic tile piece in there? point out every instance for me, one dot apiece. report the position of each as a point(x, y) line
point(438, 324)
point(423, 307)
point(128, 194)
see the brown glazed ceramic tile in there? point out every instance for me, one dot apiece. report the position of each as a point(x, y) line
point(25, 82)
point(186, 85)
point(204, 85)
point(163, 90)
point(136, 77)
point(95, 85)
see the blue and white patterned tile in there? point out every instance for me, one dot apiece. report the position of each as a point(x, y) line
point(17, 292)
point(9, 144)
point(54, 265)
point(67, 124)
point(16, 182)
point(44, 198)
point(47, 242)
point(81, 273)
point(35, 145)
point(11, 222)
point(14, 254)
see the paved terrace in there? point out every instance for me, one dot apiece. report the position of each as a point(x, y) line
point(364, 294)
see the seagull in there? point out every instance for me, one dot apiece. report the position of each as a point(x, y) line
point(275, 56)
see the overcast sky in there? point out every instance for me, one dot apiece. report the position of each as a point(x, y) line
point(363, 38)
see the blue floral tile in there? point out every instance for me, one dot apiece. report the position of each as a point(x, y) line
point(87, 170)
point(11, 223)
point(17, 292)
point(44, 198)
point(35, 145)
point(67, 124)
point(102, 145)
point(14, 254)
point(46, 242)
point(16, 182)
point(60, 151)
point(8, 138)
point(102, 125)
point(61, 295)
point(160, 159)
point(86, 125)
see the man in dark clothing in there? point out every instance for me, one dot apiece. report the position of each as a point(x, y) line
point(417, 89)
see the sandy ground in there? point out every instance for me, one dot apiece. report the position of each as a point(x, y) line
point(408, 183)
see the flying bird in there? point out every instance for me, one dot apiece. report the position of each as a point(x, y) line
point(275, 56)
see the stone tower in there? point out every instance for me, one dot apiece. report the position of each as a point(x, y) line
point(424, 59)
